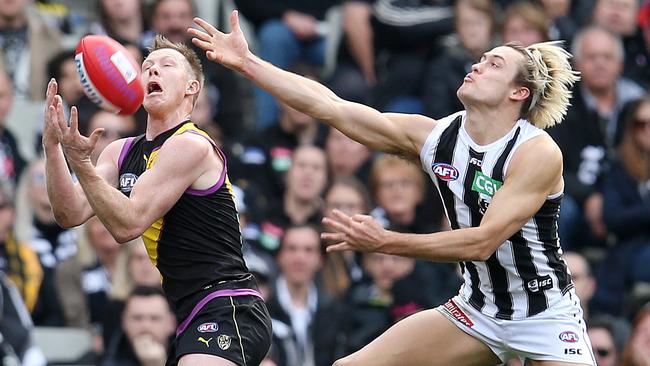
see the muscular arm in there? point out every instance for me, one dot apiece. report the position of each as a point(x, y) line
point(181, 162)
point(392, 133)
point(67, 198)
point(524, 191)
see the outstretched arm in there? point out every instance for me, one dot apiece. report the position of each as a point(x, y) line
point(67, 198)
point(524, 191)
point(392, 133)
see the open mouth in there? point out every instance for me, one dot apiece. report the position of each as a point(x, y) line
point(153, 87)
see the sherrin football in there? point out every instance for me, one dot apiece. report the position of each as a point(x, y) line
point(109, 74)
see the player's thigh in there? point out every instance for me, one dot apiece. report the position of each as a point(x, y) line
point(555, 363)
point(426, 338)
point(204, 360)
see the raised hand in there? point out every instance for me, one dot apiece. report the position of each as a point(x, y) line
point(358, 232)
point(229, 49)
point(50, 136)
point(77, 148)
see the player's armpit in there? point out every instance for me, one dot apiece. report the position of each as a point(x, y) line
point(534, 173)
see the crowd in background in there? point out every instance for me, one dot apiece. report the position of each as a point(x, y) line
point(289, 170)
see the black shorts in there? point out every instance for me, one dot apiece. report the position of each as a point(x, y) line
point(237, 328)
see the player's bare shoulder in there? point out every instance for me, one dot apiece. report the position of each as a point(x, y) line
point(538, 160)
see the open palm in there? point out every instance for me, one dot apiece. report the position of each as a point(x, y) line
point(229, 49)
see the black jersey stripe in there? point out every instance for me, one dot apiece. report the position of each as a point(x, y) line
point(527, 270)
point(445, 154)
point(471, 200)
point(546, 222)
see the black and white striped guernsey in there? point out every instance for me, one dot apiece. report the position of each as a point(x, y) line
point(526, 274)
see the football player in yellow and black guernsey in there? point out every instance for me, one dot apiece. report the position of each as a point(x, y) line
point(169, 186)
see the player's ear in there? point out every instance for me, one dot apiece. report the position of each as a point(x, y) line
point(192, 87)
point(520, 93)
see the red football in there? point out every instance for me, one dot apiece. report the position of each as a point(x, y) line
point(109, 74)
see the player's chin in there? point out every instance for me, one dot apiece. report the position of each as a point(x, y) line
point(152, 102)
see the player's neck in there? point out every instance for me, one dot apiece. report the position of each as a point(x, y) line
point(159, 123)
point(487, 124)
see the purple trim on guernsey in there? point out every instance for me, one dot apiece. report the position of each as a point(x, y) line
point(125, 150)
point(219, 293)
point(222, 178)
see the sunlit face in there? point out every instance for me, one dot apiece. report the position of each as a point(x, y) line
point(599, 60)
point(307, 177)
point(172, 18)
point(115, 127)
point(398, 191)
point(142, 271)
point(473, 27)
point(603, 345)
point(299, 257)
point(642, 126)
point(120, 10)
point(583, 281)
point(517, 29)
point(619, 16)
point(167, 79)
point(70, 87)
point(13, 8)
point(148, 316)
point(101, 240)
point(385, 269)
point(491, 81)
point(6, 96)
point(344, 198)
point(345, 155)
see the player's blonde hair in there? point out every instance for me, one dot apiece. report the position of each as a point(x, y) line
point(546, 72)
point(160, 42)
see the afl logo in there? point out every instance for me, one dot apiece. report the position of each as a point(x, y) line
point(445, 172)
point(208, 327)
point(127, 181)
point(569, 337)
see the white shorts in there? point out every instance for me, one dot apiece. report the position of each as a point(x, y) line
point(556, 334)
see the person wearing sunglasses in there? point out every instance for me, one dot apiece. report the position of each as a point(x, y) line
point(601, 334)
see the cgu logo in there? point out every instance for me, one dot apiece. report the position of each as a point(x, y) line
point(569, 337)
point(445, 172)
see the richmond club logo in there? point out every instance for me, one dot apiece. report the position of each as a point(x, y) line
point(445, 172)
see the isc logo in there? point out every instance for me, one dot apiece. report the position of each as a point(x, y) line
point(569, 337)
point(572, 351)
point(445, 172)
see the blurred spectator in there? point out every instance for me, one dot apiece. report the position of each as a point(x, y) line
point(16, 343)
point(26, 44)
point(148, 325)
point(171, 18)
point(475, 23)
point(133, 268)
point(566, 17)
point(397, 187)
point(63, 68)
point(115, 127)
point(301, 202)
point(203, 115)
point(369, 302)
point(601, 334)
point(341, 269)
point(590, 131)
point(626, 211)
point(307, 323)
point(641, 73)
point(11, 162)
point(389, 43)
point(526, 23)
point(289, 31)
point(346, 157)
point(17, 260)
point(620, 17)
point(36, 225)
point(267, 156)
point(637, 351)
point(582, 278)
point(123, 20)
